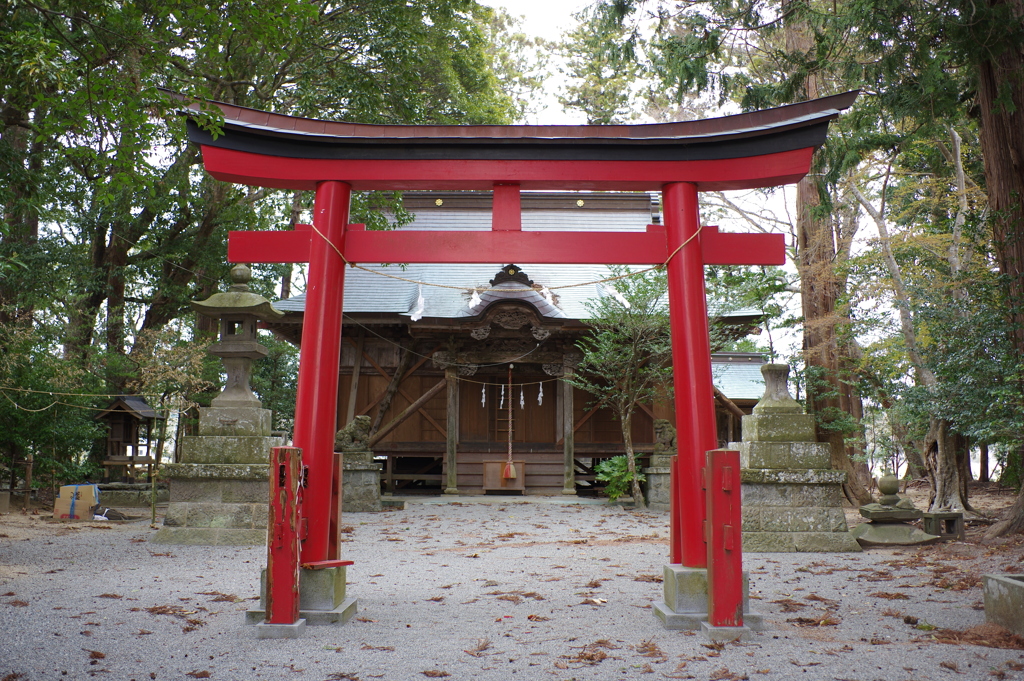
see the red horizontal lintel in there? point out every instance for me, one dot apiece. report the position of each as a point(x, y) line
point(767, 170)
point(741, 248)
point(269, 246)
point(600, 248)
point(570, 248)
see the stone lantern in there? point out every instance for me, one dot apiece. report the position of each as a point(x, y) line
point(238, 310)
point(218, 489)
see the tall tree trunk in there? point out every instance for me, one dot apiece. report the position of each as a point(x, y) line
point(820, 288)
point(626, 421)
point(983, 462)
point(945, 452)
point(1001, 112)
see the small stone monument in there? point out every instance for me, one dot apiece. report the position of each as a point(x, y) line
point(659, 474)
point(219, 490)
point(889, 519)
point(360, 479)
point(792, 499)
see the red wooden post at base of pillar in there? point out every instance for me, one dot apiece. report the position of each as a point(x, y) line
point(691, 363)
point(675, 548)
point(316, 402)
point(282, 602)
point(725, 539)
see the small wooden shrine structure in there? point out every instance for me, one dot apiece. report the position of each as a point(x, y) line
point(127, 417)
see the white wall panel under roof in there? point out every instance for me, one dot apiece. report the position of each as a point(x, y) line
point(451, 220)
point(591, 221)
point(541, 211)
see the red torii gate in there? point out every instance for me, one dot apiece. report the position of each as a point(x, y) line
point(759, 149)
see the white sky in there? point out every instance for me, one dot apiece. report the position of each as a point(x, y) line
point(543, 18)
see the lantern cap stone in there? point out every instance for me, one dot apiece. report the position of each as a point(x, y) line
point(238, 299)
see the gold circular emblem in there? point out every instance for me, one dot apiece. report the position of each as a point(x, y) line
point(439, 202)
point(579, 202)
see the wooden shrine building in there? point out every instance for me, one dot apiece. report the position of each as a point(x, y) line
point(127, 417)
point(420, 338)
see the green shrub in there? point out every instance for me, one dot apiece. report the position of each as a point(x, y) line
point(615, 472)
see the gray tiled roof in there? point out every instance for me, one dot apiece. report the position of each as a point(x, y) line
point(738, 380)
point(369, 292)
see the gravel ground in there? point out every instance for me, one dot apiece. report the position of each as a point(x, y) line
point(505, 590)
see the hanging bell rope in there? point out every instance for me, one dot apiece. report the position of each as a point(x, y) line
point(510, 470)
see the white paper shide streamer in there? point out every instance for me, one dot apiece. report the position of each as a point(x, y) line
point(540, 395)
point(522, 398)
point(475, 300)
point(417, 313)
point(619, 297)
point(483, 396)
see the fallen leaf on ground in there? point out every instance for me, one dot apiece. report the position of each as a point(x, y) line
point(890, 595)
point(649, 578)
point(367, 646)
point(789, 605)
point(481, 645)
point(813, 622)
point(435, 673)
point(989, 635)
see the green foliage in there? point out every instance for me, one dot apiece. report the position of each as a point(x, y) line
point(618, 479)
point(602, 75)
point(109, 227)
point(274, 380)
point(625, 360)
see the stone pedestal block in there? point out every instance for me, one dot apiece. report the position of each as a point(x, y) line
point(216, 504)
point(360, 483)
point(122, 495)
point(250, 420)
point(773, 427)
point(793, 510)
point(659, 488)
point(228, 449)
point(322, 598)
point(784, 455)
point(685, 604)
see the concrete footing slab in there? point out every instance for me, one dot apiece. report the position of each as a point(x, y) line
point(726, 634)
point(265, 630)
point(322, 598)
point(314, 618)
point(685, 604)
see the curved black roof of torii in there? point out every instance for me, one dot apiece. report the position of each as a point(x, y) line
point(781, 129)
